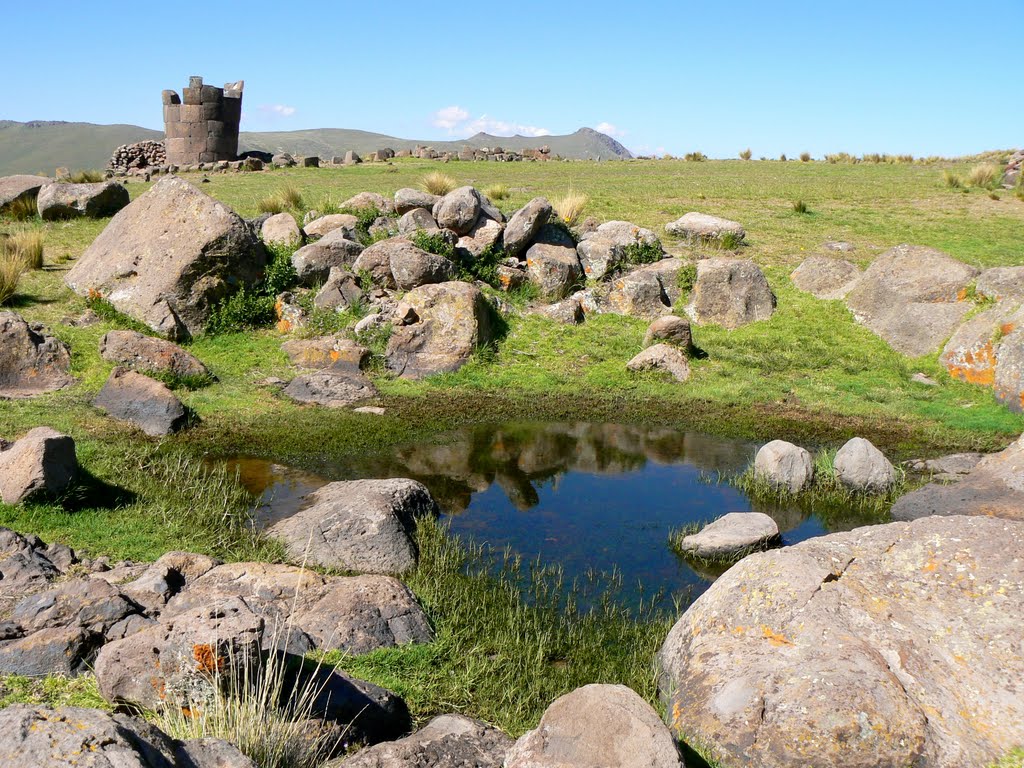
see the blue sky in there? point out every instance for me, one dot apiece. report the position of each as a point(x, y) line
point(925, 78)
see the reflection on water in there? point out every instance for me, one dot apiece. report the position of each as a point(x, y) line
point(588, 497)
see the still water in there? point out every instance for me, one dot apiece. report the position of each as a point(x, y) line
point(590, 498)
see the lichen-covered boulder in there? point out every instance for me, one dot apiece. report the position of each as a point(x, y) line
point(71, 201)
point(732, 536)
point(169, 257)
point(313, 263)
point(825, 652)
point(407, 199)
point(696, 228)
point(31, 361)
point(555, 269)
point(412, 266)
point(662, 357)
point(730, 293)
point(334, 351)
point(149, 354)
point(524, 225)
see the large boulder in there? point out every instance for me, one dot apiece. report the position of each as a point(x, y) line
point(360, 525)
point(826, 278)
point(732, 536)
point(451, 320)
point(281, 229)
point(75, 737)
point(662, 357)
point(142, 402)
point(638, 294)
point(334, 351)
point(149, 354)
point(826, 652)
point(447, 741)
point(994, 487)
point(367, 200)
point(458, 210)
point(31, 362)
point(333, 388)
point(407, 199)
point(71, 201)
point(485, 234)
point(912, 297)
point(169, 257)
point(20, 187)
point(555, 269)
point(412, 266)
point(696, 228)
point(42, 463)
point(323, 225)
point(730, 293)
point(313, 263)
point(375, 261)
point(412, 221)
point(597, 725)
point(861, 467)
point(784, 465)
point(524, 225)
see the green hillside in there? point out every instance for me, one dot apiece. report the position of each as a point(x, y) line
point(42, 146)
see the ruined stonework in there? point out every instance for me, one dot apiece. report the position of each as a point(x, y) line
point(202, 124)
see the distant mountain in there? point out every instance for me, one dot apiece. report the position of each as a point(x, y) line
point(43, 145)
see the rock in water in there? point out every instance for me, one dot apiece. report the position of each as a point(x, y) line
point(730, 293)
point(42, 463)
point(731, 536)
point(72, 201)
point(784, 465)
point(862, 467)
point(451, 321)
point(365, 526)
point(169, 257)
point(605, 726)
point(447, 741)
point(142, 402)
point(825, 653)
point(31, 362)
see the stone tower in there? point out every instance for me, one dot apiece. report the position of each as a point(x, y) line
point(202, 125)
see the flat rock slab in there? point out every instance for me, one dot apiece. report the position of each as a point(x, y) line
point(333, 388)
point(334, 351)
point(888, 646)
point(31, 362)
point(994, 487)
point(732, 535)
point(149, 354)
point(696, 228)
point(826, 278)
point(143, 402)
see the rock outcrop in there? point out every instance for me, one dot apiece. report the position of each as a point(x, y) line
point(31, 361)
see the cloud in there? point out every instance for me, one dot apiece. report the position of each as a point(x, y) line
point(280, 110)
point(450, 117)
point(456, 121)
point(608, 128)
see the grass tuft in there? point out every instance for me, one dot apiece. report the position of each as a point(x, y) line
point(952, 180)
point(746, 154)
point(25, 246)
point(805, 157)
point(270, 204)
point(570, 207)
point(292, 198)
point(90, 176)
point(22, 209)
point(11, 270)
point(438, 183)
point(984, 175)
point(497, 192)
point(800, 206)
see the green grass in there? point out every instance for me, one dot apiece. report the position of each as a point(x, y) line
point(1013, 759)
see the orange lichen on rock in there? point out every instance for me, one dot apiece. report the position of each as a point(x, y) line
point(975, 367)
point(206, 658)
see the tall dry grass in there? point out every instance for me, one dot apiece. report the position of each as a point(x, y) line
point(437, 183)
point(570, 206)
point(984, 175)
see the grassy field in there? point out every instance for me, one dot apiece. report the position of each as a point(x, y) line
point(809, 374)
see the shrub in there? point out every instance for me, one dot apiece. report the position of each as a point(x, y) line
point(22, 209)
point(25, 247)
point(686, 278)
point(873, 158)
point(695, 157)
point(805, 157)
point(437, 183)
point(497, 192)
point(254, 307)
point(364, 220)
point(432, 241)
point(800, 207)
point(984, 175)
point(746, 154)
point(951, 179)
point(783, 158)
point(641, 252)
point(570, 207)
point(85, 177)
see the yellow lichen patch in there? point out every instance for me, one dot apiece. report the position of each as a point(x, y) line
point(677, 715)
point(739, 630)
point(975, 366)
point(773, 637)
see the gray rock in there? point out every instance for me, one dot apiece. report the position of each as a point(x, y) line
point(732, 536)
point(451, 321)
point(485, 234)
point(670, 329)
point(624, 233)
point(26, 565)
point(376, 261)
point(41, 464)
point(555, 269)
point(840, 246)
point(638, 294)
point(71, 201)
point(169, 257)
point(600, 257)
point(447, 741)
point(415, 220)
point(973, 353)
point(567, 311)
point(73, 737)
point(141, 401)
point(921, 378)
point(324, 225)
point(332, 388)
point(784, 465)
point(827, 650)
point(826, 278)
point(524, 225)
point(311, 162)
point(362, 525)
point(314, 262)
point(283, 160)
point(366, 200)
point(511, 278)
point(340, 291)
point(862, 467)
point(994, 487)
point(31, 362)
point(597, 725)
point(955, 465)
point(696, 228)
point(458, 210)
point(662, 357)
point(407, 199)
point(148, 354)
point(281, 229)
point(413, 267)
point(913, 298)
point(730, 293)
point(334, 351)
point(1002, 283)
point(18, 187)
point(1009, 378)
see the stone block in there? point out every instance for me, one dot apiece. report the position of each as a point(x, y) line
point(191, 112)
point(172, 113)
point(192, 95)
point(211, 94)
point(206, 157)
point(231, 110)
point(175, 130)
point(195, 82)
point(170, 97)
point(212, 111)
point(214, 129)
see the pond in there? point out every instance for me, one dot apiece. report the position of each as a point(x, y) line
point(588, 498)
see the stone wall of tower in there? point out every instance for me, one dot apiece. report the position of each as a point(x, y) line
point(201, 126)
